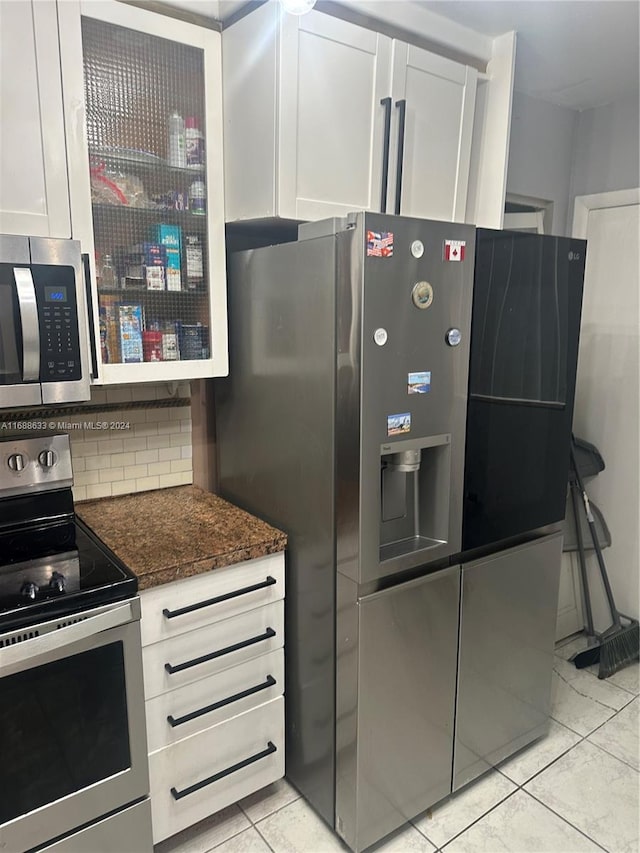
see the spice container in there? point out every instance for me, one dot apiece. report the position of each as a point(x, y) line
point(198, 198)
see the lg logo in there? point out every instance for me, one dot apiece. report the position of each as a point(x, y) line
point(574, 256)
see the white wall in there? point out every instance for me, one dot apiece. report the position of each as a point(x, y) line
point(607, 158)
point(607, 394)
point(606, 155)
point(540, 153)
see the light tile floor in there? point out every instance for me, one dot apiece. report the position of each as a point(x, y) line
point(576, 790)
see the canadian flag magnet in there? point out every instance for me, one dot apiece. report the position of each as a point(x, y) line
point(454, 250)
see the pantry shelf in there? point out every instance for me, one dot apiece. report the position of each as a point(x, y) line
point(107, 213)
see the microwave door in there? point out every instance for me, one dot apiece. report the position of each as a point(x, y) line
point(58, 278)
point(19, 336)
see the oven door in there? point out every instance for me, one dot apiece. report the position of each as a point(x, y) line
point(72, 726)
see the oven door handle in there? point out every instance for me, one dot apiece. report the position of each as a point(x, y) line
point(14, 657)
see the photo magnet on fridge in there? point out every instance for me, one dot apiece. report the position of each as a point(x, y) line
point(419, 383)
point(398, 424)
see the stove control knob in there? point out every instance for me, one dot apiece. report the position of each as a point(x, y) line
point(56, 582)
point(47, 458)
point(29, 590)
point(16, 462)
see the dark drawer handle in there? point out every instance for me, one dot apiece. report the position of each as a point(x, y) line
point(220, 652)
point(170, 614)
point(178, 795)
point(235, 698)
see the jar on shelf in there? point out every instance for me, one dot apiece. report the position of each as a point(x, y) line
point(107, 278)
point(198, 198)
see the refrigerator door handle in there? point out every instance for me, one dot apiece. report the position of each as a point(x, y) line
point(402, 107)
point(30, 325)
point(386, 103)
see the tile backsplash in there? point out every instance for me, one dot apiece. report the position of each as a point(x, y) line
point(141, 449)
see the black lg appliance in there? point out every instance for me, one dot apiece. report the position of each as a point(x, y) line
point(74, 771)
point(527, 297)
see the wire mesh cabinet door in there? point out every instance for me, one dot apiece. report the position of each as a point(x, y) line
point(143, 113)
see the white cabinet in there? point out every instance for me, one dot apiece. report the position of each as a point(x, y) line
point(323, 117)
point(213, 661)
point(433, 149)
point(160, 312)
point(34, 196)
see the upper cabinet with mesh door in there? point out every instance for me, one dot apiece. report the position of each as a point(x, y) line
point(143, 114)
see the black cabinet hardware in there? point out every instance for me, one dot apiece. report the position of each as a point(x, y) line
point(386, 103)
point(178, 795)
point(270, 681)
point(402, 107)
point(171, 614)
point(220, 652)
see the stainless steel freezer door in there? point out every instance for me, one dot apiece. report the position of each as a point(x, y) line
point(406, 681)
point(507, 633)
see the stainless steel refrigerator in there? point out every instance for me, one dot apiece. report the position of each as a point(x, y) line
point(343, 422)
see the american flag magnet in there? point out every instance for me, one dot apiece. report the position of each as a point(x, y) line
point(454, 250)
point(379, 244)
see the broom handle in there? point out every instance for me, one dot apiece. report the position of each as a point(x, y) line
point(581, 559)
point(594, 536)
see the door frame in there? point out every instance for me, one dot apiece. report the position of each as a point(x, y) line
point(571, 619)
point(584, 204)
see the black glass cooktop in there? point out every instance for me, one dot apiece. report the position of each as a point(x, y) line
point(79, 573)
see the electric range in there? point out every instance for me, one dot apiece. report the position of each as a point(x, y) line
point(51, 564)
point(74, 770)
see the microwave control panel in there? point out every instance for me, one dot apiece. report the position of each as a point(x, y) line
point(58, 318)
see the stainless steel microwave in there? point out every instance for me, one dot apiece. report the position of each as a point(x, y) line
point(44, 356)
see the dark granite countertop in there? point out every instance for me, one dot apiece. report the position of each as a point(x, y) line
point(175, 533)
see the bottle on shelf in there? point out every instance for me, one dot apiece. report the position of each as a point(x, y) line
point(177, 155)
point(198, 198)
point(107, 278)
point(194, 143)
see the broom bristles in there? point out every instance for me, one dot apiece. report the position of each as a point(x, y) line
point(619, 649)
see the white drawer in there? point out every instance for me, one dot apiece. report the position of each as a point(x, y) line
point(219, 751)
point(217, 595)
point(261, 678)
point(205, 651)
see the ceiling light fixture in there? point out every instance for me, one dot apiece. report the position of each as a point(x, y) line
point(298, 7)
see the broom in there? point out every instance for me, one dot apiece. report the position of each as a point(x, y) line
point(619, 645)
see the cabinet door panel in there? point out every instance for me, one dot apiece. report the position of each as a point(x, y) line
point(34, 194)
point(507, 634)
point(440, 99)
point(333, 77)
